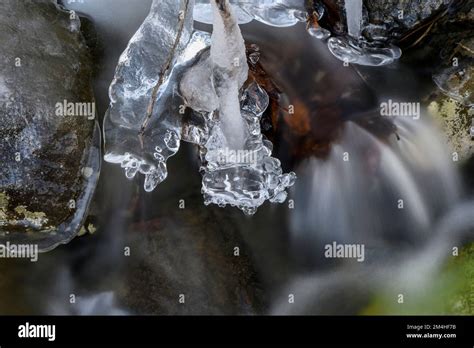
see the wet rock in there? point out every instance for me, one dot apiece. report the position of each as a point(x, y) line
point(444, 49)
point(456, 121)
point(50, 141)
point(190, 252)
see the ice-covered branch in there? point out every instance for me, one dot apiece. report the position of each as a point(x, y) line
point(166, 66)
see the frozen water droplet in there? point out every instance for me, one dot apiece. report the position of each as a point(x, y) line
point(319, 33)
point(363, 53)
point(301, 16)
point(172, 140)
point(455, 82)
point(158, 156)
point(155, 177)
point(279, 198)
point(130, 172)
point(254, 99)
point(253, 123)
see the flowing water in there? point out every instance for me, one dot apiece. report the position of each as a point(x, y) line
point(373, 192)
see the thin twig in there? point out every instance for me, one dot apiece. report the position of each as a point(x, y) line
point(164, 71)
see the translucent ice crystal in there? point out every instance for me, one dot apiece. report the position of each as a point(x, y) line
point(248, 177)
point(142, 125)
point(282, 13)
point(354, 48)
point(363, 53)
point(237, 165)
point(279, 13)
point(354, 17)
point(230, 71)
point(164, 68)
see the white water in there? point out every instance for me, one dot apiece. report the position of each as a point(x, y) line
point(359, 200)
point(356, 202)
point(410, 273)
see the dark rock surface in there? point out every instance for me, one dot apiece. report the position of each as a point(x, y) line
point(50, 161)
point(190, 252)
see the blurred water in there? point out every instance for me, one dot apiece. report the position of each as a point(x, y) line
point(353, 196)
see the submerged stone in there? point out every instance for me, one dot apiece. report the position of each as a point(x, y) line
point(191, 262)
point(50, 142)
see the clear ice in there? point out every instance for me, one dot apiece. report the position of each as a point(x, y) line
point(142, 125)
point(361, 52)
point(239, 172)
point(278, 13)
point(354, 48)
point(354, 17)
point(454, 82)
point(156, 78)
point(230, 71)
point(283, 13)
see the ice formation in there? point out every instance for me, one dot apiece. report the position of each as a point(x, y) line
point(354, 48)
point(354, 17)
point(156, 78)
point(363, 53)
point(455, 82)
point(230, 71)
point(142, 127)
point(278, 13)
point(283, 13)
